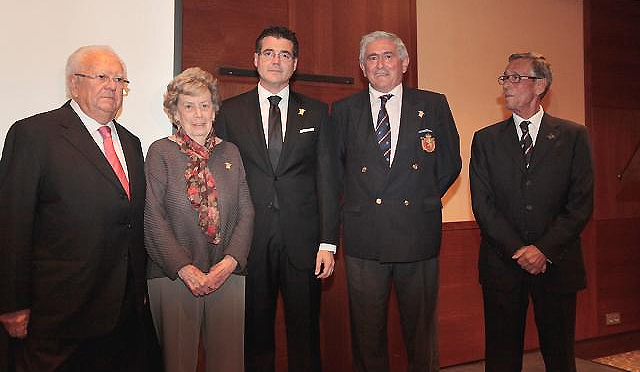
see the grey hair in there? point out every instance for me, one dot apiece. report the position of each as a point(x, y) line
point(76, 61)
point(540, 66)
point(401, 49)
point(191, 82)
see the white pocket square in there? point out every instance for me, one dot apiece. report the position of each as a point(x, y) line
point(305, 130)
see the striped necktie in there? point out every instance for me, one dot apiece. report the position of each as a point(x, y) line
point(383, 128)
point(526, 143)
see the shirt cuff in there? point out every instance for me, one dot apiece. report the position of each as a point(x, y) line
point(327, 247)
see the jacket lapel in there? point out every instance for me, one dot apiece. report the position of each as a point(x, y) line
point(510, 143)
point(255, 131)
point(408, 133)
point(295, 122)
point(74, 131)
point(547, 135)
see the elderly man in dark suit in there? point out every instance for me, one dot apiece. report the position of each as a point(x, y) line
point(285, 144)
point(532, 192)
point(400, 153)
point(72, 194)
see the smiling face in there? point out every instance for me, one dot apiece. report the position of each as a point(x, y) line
point(523, 98)
point(275, 71)
point(382, 65)
point(195, 115)
point(99, 100)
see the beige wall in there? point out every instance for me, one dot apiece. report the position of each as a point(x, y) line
point(463, 47)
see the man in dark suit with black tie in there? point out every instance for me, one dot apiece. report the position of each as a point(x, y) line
point(400, 152)
point(286, 147)
point(532, 193)
point(72, 194)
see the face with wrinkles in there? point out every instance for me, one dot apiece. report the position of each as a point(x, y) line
point(99, 100)
point(195, 115)
point(382, 65)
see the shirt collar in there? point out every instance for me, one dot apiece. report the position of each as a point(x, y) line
point(90, 123)
point(535, 120)
point(374, 95)
point(264, 94)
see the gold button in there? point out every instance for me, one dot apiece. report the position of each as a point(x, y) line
point(378, 201)
point(406, 202)
point(364, 170)
point(414, 166)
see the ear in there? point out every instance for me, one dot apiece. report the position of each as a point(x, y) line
point(255, 59)
point(405, 64)
point(73, 86)
point(364, 69)
point(295, 64)
point(540, 86)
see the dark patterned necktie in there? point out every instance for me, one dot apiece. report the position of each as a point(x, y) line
point(275, 131)
point(526, 143)
point(383, 128)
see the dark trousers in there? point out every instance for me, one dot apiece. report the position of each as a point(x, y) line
point(416, 286)
point(505, 315)
point(270, 272)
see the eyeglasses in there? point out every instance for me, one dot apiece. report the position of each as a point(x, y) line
point(515, 78)
point(104, 79)
point(271, 54)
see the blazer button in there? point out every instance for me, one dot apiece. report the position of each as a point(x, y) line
point(378, 201)
point(406, 202)
point(414, 166)
point(527, 183)
point(364, 170)
point(529, 207)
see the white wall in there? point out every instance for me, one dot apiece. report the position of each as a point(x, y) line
point(37, 36)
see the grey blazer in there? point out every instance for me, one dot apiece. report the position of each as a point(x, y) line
point(173, 238)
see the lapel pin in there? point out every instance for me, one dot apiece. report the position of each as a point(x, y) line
point(551, 136)
point(420, 113)
point(301, 112)
point(227, 165)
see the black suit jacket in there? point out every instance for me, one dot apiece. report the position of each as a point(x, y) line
point(68, 231)
point(305, 180)
point(394, 214)
point(546, 205)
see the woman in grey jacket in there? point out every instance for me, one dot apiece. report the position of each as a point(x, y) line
point(198, 228)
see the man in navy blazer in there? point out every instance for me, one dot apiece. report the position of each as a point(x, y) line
point(286, 146)
point(400, 152)
point(532, 194)
point(73, 260)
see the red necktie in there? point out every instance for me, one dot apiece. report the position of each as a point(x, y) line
point(110, 152)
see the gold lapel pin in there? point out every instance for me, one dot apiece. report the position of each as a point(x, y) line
point(420, 113)
point(551, 136)
point(301, 112)
point(227, 165)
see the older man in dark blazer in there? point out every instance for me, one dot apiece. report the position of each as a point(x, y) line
point(286, 146)
point(400, 153)
point(72, 194)
point(532, 193)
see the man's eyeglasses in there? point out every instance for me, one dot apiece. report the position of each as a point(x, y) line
point(515, 78)
point(104, 79)
point(271, 54)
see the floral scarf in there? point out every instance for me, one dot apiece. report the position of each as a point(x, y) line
point(201, 186)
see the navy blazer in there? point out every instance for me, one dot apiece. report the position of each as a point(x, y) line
point(546, 204)
point(394, 214)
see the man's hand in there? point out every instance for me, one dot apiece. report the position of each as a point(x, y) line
point(16, 323)
point(220, 272)
point(326, 262)
point(531, 259)
point(194, 279)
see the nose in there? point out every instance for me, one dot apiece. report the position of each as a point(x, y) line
point(198, 112)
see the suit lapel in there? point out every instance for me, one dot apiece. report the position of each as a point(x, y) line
point(408, 133)
point(510, 143)
point(547, 135)
point(131, 157)
point(255, 131)
point(74, 131)
point(295, 122)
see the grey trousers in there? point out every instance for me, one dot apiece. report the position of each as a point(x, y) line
point(181, 318)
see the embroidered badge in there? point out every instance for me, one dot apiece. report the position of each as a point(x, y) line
point(301, 112)
point(427, 140)
point(227, 166)
point(420, 113)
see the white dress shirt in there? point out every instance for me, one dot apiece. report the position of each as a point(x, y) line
point(394, 109)
point(534, 127)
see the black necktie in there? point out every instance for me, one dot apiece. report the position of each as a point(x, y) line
point(526, 143)
point(383, 128)
point(275, 131)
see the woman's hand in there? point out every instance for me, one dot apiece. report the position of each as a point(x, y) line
point(220, 272)
point(194, 279)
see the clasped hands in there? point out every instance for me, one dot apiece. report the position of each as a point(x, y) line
point(531, 259)
point(201, 284)
point(16, 323)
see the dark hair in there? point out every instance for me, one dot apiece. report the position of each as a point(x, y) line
point(539, 65)
point(279, 32)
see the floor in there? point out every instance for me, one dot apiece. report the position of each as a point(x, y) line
point(629, 361)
